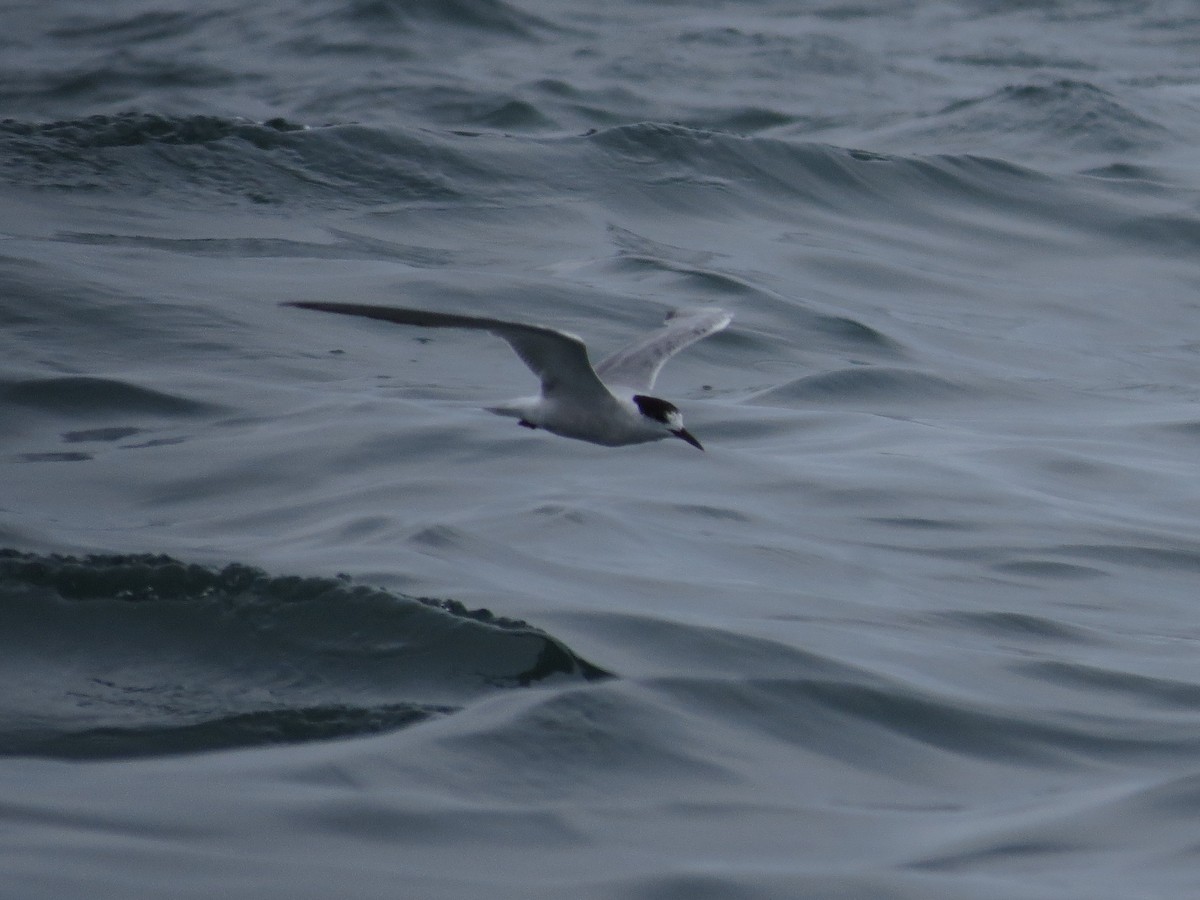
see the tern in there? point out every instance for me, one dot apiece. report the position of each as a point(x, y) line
point(608, 404)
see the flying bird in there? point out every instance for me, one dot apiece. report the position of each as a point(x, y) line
point(608, 404)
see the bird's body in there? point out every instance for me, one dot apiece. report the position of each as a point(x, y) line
point(605, 405)
point(612, 421)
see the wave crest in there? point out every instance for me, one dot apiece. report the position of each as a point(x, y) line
point(145, 654)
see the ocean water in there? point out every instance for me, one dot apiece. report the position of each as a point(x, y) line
point(285, 614)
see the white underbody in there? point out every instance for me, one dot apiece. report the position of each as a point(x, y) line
point(612, 424)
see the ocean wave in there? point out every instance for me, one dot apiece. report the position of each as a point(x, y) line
point(283, 161)
point(798, 180)
point(134, 129)
point(1084, 115)
point(868, 384)
point(227, 160)
point(494, 17)
point(705, 175)
point(141, 654)
point(96, 396)
point(1065, 118)
point(883, 724)
point(1141, 690)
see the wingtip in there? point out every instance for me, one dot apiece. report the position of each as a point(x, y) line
point(688, 312)
point(320, 306)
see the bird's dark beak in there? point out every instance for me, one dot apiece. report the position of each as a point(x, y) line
point(685, 435)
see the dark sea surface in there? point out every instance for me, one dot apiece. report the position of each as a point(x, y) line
point(285, 615)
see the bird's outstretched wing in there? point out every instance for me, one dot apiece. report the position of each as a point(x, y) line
point(638, 365)
point(559, 359)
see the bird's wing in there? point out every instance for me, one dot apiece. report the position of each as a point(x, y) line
point(559, 360)
point(638, 365)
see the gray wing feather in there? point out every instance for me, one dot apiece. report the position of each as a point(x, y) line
point(559, 360)
point(638, 365)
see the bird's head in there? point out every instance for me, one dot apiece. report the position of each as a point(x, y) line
point(666, 415)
